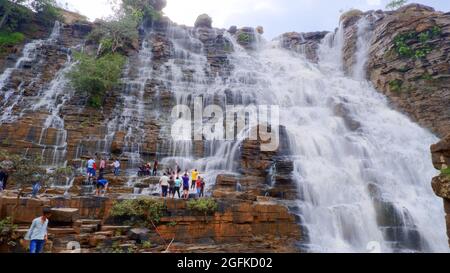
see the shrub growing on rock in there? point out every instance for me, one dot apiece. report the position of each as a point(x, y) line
point(24, 169)
point(421, 41)
point(142, 210)
point(445, 172)
point(95, 77)
point(8, 234)
point(116, 35)
point(395, 4)
point(204, 206)
point(9, 39)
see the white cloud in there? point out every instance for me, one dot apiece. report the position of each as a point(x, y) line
point(185, 12)
point(373, 2)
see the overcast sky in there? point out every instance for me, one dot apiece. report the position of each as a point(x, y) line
point(276, 16)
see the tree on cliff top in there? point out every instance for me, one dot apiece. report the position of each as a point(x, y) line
point(16, 13)
point(141, 10)
point(395, 4)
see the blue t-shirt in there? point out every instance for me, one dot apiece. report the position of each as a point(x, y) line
point(177, 183)
point(102, 182)
point(185, 181)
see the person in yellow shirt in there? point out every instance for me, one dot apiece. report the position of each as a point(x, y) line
point(194, 177)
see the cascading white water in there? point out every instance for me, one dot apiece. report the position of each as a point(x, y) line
point(51, 100)
point(359, 184)
point(187, 79)
point(12, 97)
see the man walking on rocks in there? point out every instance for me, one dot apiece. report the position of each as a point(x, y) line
point(37, 234)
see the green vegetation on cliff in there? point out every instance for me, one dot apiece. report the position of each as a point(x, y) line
point(24, 169)
point(17, 20)
point(421, 41)
point(203, 206)
point(445, 171)
point(95, 77)
point(395, 4)
point(15, 16)
point(97, 74)
point(8, 39)
point(142, 10)
point(8, 234)
point(139, 211)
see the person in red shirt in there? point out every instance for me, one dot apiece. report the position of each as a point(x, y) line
point(198, 185)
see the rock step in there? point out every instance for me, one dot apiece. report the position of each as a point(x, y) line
point(87, 229)
point(81, 222)
point(61, 231)
point(115, 228)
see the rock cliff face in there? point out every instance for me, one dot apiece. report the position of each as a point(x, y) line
point(262, 225)
point(304, 43)
point(408, 60)
point(441, 183)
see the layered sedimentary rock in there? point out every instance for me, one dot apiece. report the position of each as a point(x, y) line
point(238, 226)
point(441, 184)
point(408, 59)
point(304, 43)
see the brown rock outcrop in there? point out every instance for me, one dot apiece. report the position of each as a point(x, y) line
point(413, 71)
point(441, 184)
point(304, 43)
point(259, 225)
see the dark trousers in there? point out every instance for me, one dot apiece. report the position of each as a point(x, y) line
point(36, 246)
point(177, 190)
point(164, 190)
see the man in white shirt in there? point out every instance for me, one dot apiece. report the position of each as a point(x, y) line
point(116, 165)
point(164, 182)
point(90, 168)
point(37, 234)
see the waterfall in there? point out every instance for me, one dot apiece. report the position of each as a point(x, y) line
point(365, 27)
point(51, 100)
point(363, 170)
point(11, 96)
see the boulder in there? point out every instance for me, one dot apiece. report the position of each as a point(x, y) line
point(441, 153)
point(232, 30)
point(139, 234)
point(441, 186)
point(64, 215)
point(203, 20)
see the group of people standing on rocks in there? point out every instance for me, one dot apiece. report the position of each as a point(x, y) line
point(171, 183)
point(146, 169)
point(100, 181)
